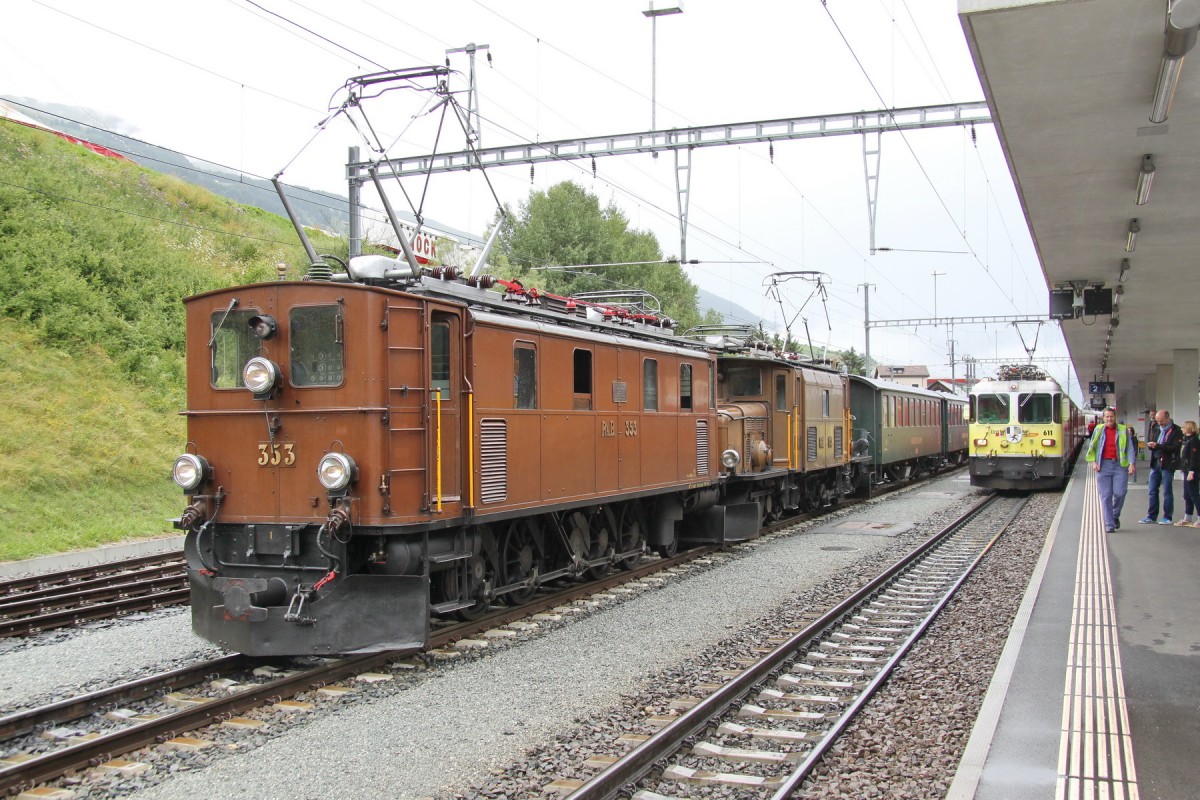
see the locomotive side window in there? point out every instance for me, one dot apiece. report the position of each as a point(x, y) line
point(439, 358)
point(781, 393)
point(650, 385)
point(234, 343)
point(317, 356)
point(583, 380)
point(992, 409)
point(744, 380)
point(825, 403)
point(1035, 408)
point(525, 376)
point(685, 387)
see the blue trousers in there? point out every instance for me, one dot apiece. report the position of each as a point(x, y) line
point(1191, 495)
point(1164, 478)
point(1113, 482)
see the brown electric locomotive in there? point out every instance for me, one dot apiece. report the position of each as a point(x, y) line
point(361, 457)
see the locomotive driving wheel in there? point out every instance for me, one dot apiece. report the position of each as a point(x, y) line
point(520, 559)
point(601, 535)
point(630, 534)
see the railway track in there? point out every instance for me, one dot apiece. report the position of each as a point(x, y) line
point(245, 685)
point(37, 603)
point(763, 730)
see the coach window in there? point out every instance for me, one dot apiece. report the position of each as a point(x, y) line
point(650, 385)
point(781, 392)
point(583, 380)
point(685, 387)
point(525, 375)
point(233, 344)
point(315, 336)
point(1035, 408)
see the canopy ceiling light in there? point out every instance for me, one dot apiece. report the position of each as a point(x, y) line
point(1182, 23)
point(1145, 180)
point(1131, 237)
point(1124, 270)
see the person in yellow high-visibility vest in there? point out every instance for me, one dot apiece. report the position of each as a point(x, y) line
point(1111, 452)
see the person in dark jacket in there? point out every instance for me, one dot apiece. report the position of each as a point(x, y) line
point(1163, 443)
point(1189, 463)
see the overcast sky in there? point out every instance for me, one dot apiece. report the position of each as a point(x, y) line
point(246, 85)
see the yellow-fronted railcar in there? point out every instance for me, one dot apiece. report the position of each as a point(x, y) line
point(1025, 431)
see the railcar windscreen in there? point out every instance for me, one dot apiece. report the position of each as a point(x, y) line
point(1035, 408)
point(992, 408)
point(233, 345)
point(317, 355)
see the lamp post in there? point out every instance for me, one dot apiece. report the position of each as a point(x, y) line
point(654, 13)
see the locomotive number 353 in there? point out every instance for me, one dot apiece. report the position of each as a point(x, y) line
point(275, 455)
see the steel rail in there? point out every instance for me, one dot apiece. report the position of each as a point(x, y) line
point(26, 582)
point(805, 768)
point(107, 610)
point(635, 764)
point(27, 607)
point(96, 751)
point(116, 579)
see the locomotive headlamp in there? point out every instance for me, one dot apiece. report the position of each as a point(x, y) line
point(981, 442)
point(336, 471)
point(731, 458)
point(260, 375)
point(263, 326)
point(190, 471)
point(1048, 443)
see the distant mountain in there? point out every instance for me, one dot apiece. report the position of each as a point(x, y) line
point(731, 311)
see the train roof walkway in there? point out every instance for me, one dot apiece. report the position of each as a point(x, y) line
point(1097, 693)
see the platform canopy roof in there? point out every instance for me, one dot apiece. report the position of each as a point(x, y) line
point(1071, 85)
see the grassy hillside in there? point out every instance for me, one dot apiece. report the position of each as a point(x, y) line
point(95, 257)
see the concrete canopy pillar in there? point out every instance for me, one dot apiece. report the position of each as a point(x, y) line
point(1164, 379)
point(1150, 395)
point(1185, 402)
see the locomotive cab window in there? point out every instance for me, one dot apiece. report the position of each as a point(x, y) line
point(781, 393)
point(650, 385)
point(1035, 408)
point(991, 409)
point(583, 380)
point(685, 387)
point(525, 376)
point(233, 344)
point(317, 355)
point(743, 380)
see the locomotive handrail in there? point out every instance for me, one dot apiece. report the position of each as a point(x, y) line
point(438, 458)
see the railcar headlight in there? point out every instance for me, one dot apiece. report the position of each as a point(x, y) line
point(260, 375)
point(981, 442)
point(190, 471)
point(1049, 442)
point(731, 458)
point(336, 471)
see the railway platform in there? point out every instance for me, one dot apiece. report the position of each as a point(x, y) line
point(1097, 692)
